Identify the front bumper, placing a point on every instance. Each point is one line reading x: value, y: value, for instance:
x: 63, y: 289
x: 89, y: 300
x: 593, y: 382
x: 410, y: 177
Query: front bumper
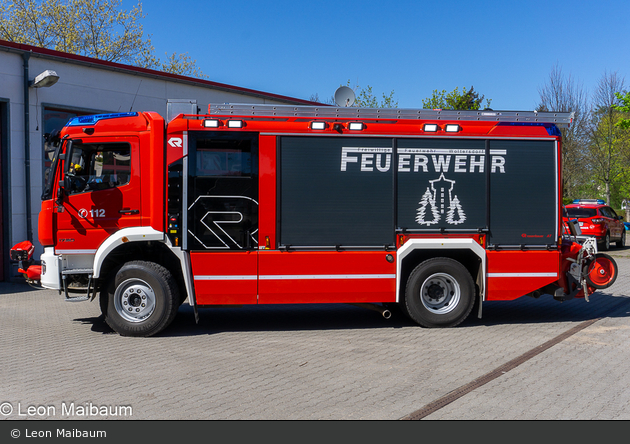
x: 50, y: 275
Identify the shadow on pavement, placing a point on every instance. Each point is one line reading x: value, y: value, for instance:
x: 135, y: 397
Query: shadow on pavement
x: 304, y: 317
x: 16, y: 287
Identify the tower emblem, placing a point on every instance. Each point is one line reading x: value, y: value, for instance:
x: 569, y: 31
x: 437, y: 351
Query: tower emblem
x: 437, y: 200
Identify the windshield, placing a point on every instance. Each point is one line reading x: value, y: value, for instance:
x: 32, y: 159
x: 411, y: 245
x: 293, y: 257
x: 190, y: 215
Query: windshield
x: 52, y: 148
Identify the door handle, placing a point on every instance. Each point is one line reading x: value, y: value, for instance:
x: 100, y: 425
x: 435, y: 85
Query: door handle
x: 128, y: 211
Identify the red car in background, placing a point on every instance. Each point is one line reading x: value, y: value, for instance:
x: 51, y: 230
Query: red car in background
x: 598, y: 220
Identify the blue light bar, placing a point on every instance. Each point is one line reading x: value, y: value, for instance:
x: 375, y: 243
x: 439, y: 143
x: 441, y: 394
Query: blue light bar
x: 590, y: 201
x: 552, y: 129
x: 94, y: 119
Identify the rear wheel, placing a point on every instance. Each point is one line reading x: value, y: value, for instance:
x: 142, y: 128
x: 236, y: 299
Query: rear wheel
x: 606, y: 242
x: 440, y: 292
x: 142, y: 300
x: 601, y: 271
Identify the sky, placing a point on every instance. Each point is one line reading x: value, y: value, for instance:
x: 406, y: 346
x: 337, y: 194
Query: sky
x: 505, y: 49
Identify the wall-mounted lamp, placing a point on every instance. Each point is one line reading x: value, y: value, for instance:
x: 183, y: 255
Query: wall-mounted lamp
x: 45, y: 79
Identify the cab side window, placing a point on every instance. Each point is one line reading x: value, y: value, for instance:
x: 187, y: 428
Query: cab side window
x: 98, y: 167
x: 609, y: 212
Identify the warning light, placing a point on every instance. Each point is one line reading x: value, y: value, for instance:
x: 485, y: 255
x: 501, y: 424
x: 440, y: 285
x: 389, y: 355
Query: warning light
x: 235, y: 124
x: 211, y: 123
x: 452, y: 128
x: 356, y: 126
x: 430, y: 127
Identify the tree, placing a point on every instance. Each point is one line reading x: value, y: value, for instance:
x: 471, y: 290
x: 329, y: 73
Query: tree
x: 367, y: 99
x: 466, y: 100
x: 564, y: 94
x: 609, y: 148
x: 181, y: 64
x: 624, y: 107
x: 364, y: 98
x: 315, y: 98
x: 92, y: 28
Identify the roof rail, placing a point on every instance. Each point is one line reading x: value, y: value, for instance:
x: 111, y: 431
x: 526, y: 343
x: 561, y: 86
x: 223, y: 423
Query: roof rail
x: 561, y: 119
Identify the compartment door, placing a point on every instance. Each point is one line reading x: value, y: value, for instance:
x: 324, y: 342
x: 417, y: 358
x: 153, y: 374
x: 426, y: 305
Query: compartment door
x: 222, y: 216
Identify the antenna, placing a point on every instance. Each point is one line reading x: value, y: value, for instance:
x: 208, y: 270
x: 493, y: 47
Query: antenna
x: 134, y: 97
x: 344, y: 96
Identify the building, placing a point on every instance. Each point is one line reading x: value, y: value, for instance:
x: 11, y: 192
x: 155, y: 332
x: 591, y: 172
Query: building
x: 75, y: 85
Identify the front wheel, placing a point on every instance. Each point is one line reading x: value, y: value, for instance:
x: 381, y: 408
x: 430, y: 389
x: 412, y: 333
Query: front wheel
x: 621, y: 243
x: 440, y: 292
x: 142, y: 300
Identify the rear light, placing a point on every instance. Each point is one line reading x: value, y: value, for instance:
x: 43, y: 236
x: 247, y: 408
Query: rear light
x: 597, y: 220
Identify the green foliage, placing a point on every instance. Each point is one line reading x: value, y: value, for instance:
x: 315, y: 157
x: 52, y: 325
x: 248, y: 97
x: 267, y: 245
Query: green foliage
x: 92, y: 28
x: 624, y: 107
x: 466, y: 100
x: 181, y: 64
x: 367, y: 99
x: 608, y: 147
x: 364, y: 98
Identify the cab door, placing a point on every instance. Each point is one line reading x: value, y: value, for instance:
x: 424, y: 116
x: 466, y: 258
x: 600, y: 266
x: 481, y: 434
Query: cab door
x: 221, y: 216
x: 100, y: 195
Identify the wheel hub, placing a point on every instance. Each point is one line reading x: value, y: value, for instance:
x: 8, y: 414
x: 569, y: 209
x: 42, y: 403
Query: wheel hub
x: 134, y: 300
x: 435, y: 292
x: 440, y: 293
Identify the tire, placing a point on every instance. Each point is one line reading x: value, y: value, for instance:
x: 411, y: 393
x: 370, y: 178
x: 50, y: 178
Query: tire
x: 601, y: 271
x: 440, y: 292
x: 142, y: 300
x: 621, y: 243
x: 606, y: 242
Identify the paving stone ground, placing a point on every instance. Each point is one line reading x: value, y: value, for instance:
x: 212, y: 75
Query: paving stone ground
x: 314, y: 362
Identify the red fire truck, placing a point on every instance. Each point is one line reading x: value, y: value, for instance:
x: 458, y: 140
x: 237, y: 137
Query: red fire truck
x: 436, y: 211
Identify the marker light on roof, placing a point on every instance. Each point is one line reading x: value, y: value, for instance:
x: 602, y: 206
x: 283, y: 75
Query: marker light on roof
x: 356, y: 126
x: 318, y: 125
x: 452, y: 128
x: 211, y: 123
x: 235, y: 124
x: 430, y: 127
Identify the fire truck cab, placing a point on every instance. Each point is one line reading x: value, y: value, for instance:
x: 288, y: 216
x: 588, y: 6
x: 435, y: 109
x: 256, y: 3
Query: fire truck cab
x: 436, y: 211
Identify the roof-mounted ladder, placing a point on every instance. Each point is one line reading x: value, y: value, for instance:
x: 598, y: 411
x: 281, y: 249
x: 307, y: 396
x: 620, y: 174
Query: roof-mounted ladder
x: 560, y: 119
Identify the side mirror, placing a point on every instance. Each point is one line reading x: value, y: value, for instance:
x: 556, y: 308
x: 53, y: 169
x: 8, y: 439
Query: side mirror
x: 60, y: 192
